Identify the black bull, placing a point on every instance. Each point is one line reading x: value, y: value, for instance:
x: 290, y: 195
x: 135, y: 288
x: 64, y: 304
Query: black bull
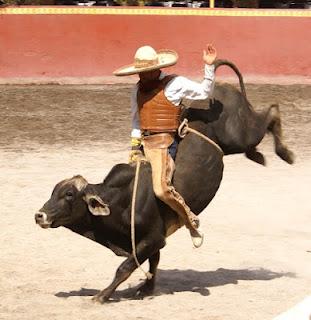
x: 102, y: 211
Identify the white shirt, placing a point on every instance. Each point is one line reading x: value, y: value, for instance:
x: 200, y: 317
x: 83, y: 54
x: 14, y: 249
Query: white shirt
x: 176, y: 90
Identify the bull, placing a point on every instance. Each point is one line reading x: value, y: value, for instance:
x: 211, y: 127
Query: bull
x: 102, y: 211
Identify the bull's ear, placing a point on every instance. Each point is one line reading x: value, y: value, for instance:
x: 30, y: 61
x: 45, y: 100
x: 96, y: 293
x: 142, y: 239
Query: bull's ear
x: 96, y: 205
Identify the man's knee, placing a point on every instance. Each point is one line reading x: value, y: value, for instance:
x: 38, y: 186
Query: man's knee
x: 162, y: 191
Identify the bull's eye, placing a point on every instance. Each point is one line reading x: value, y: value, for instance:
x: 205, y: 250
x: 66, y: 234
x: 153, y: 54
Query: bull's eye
x: 69, y: 195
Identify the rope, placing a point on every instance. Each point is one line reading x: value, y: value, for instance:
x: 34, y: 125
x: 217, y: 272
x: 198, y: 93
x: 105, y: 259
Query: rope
x: 147, y: 274
x: 184, y: 129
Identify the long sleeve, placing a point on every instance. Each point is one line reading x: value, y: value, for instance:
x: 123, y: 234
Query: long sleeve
x: 181, y: 87
x: 136, y: 133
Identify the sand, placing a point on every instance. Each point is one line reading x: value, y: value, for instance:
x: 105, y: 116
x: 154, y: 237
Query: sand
x: 256, y: 259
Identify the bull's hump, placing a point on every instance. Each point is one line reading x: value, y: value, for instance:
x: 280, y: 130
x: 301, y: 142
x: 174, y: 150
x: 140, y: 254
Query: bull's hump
x: 120, y: 175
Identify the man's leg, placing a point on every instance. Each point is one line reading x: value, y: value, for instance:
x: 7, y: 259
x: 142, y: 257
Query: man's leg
x: 162, y: 171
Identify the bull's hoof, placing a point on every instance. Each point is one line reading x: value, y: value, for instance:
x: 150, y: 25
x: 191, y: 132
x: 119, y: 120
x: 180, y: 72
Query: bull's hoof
x: 256, y: 156
x: 100, y: 298
x: 145, y: 290
x: 286, y: 155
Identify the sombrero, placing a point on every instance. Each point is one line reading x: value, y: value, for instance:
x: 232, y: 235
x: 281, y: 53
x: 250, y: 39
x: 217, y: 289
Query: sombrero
x: 147, y: 59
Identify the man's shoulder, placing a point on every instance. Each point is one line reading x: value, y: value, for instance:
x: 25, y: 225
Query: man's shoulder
x: 169, y: 78
x: 175, y: 79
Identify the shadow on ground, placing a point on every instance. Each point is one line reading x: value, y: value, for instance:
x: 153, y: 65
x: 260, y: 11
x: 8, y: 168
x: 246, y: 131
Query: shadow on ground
x: 171, y: 281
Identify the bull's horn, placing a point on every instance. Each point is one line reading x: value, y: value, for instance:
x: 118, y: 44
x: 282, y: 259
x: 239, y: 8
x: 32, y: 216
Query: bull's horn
x: 78, y: 181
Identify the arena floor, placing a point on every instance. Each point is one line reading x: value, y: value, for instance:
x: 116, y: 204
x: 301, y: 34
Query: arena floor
x: 254, y: 264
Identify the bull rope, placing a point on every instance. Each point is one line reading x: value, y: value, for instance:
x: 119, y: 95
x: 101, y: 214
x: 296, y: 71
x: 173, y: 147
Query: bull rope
x: 148, y: 274
x: 184, y: 129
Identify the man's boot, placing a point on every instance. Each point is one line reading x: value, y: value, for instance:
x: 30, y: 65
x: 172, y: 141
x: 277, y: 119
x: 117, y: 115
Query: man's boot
x: 192, y: 222
x: 197, y: 237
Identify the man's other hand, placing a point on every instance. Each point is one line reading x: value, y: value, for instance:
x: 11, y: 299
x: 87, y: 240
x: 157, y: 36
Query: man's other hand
x: 209, y: 55
x: 136, y: 155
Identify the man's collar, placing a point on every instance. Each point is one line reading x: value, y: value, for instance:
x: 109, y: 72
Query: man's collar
x: 162, y: 75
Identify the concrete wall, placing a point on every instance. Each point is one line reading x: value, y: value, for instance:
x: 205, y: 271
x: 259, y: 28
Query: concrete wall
x: 76, y: 44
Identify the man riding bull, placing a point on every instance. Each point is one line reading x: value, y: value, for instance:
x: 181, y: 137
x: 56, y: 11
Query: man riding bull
x: 156, y: 111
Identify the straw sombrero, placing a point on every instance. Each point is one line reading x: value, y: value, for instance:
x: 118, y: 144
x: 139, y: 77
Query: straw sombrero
x: 147, y: 59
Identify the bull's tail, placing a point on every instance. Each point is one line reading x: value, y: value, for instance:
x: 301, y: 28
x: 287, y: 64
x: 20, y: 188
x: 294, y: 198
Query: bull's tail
x: 222, y: 62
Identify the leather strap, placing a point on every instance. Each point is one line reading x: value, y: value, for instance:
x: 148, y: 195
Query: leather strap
x: 158, y: 141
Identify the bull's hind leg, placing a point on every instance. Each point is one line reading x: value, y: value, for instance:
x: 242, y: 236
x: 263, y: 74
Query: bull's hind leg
x: 256, y: 156
x: 275, y: 127
x: 144, y: 250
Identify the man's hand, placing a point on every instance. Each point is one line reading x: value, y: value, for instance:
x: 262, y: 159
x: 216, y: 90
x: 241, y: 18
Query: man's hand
x: 135, y: 155
x: 209, y: 55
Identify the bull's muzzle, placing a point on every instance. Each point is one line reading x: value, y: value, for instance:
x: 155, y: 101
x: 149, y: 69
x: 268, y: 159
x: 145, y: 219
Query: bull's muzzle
x: 41, y: 219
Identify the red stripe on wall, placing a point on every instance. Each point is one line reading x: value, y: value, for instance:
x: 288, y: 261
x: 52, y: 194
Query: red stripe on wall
x: 58, y: 46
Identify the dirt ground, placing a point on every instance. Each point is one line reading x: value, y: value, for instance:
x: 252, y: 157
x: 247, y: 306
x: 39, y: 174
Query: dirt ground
x: 254, y: 264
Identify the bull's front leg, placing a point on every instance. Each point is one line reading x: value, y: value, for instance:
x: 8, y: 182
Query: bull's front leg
x: 144, y: 250
x: 148, y: 286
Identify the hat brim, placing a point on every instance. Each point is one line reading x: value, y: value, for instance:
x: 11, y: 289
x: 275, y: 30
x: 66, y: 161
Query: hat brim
x: 166, y: 58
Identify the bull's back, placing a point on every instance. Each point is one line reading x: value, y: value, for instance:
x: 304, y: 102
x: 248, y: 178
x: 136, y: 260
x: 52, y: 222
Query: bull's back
x: 231, y: 121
